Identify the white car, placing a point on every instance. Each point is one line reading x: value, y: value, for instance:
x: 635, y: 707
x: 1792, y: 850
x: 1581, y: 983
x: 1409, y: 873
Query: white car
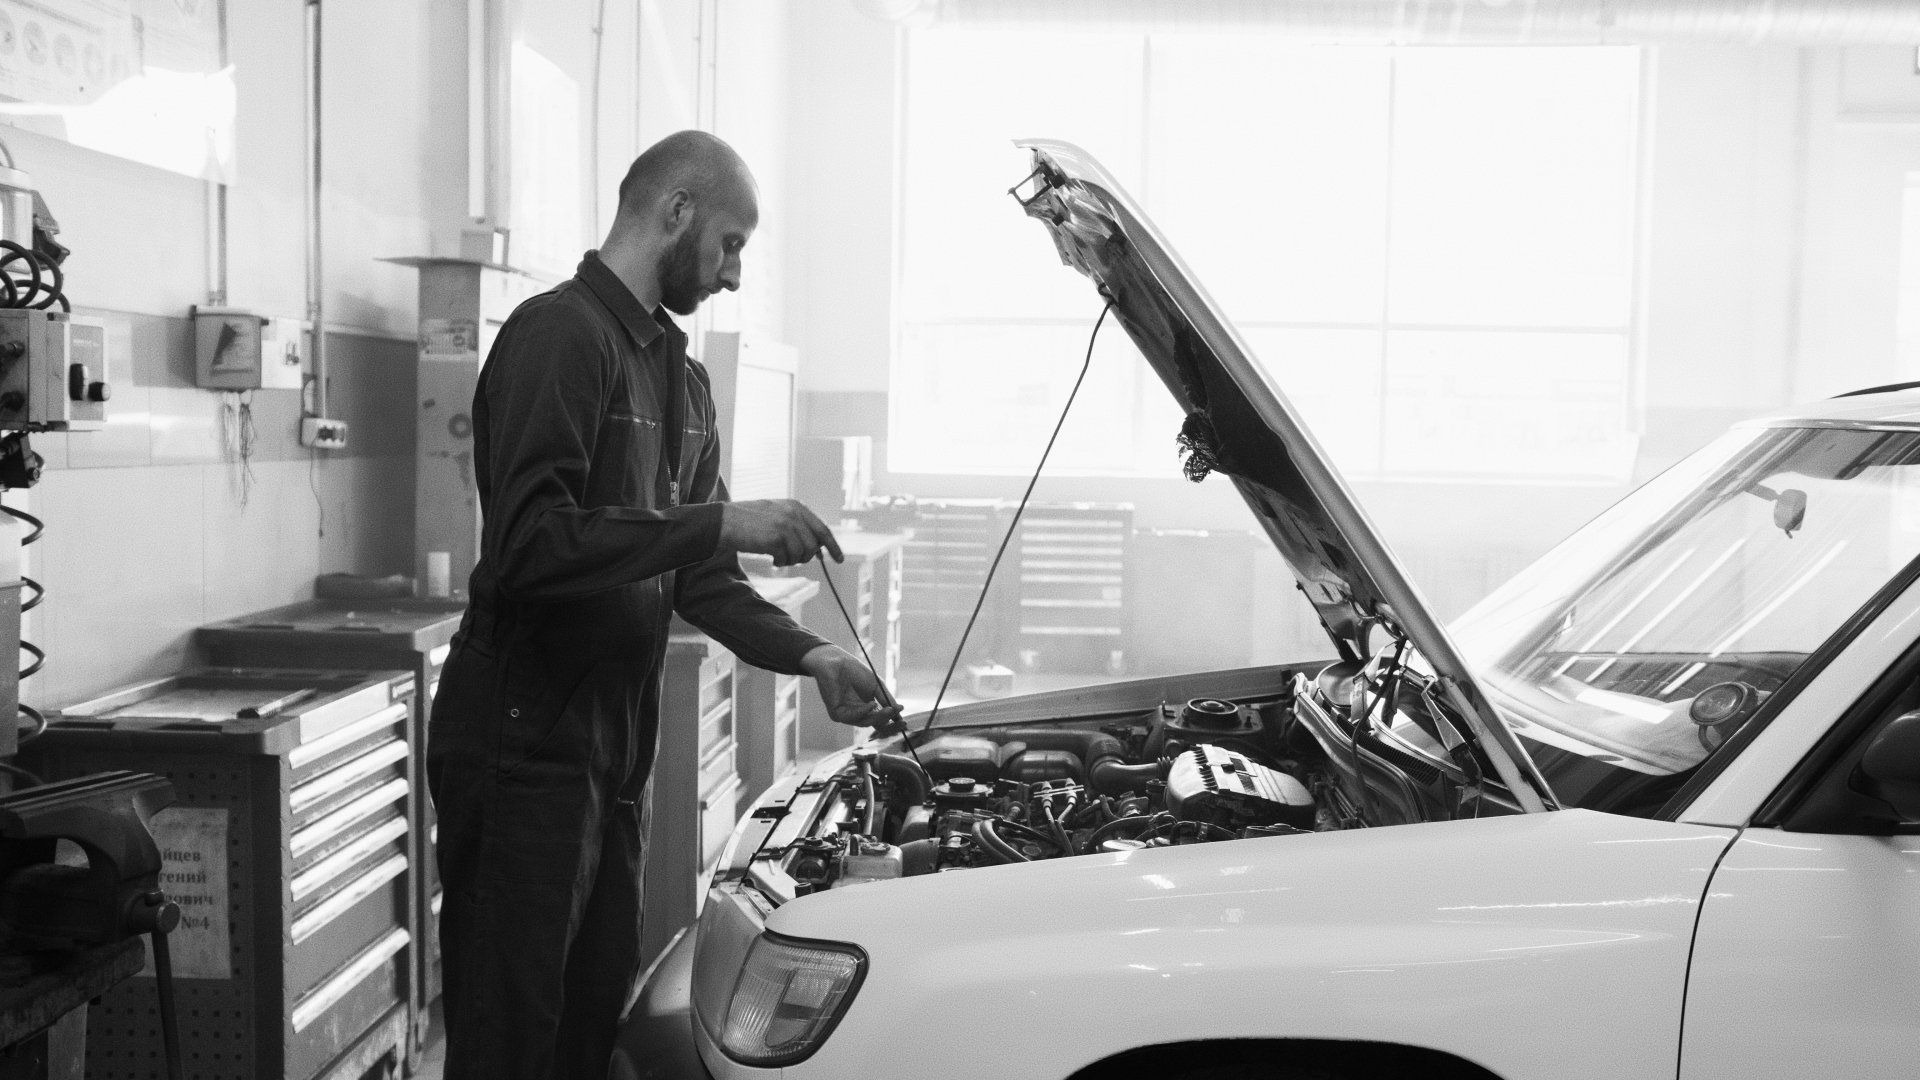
x: 1647, y: 811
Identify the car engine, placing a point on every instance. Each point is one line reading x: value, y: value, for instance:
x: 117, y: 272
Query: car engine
x: 1201, y: 771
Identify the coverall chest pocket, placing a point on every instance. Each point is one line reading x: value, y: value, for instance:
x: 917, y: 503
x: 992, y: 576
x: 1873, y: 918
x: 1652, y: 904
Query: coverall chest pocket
x: 693, y: 443
x: 637, y: 441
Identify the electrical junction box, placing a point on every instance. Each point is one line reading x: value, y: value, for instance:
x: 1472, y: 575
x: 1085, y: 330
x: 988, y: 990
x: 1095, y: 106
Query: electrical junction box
x: 235, y: 349
x: 53, y: 371
x: 323, y: 434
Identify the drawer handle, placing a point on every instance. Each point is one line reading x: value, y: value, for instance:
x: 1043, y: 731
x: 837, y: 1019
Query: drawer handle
x: 309, y: 924
x: 723, y: 794
x: 326, y: 828
x: 722, y: 749
x: 306, y: 753
x: 345, y: 775
x: 314, y: 1003
x: 315, y: 877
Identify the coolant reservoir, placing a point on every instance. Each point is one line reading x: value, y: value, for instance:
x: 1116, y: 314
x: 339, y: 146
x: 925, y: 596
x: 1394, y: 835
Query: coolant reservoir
x: 868, y: 860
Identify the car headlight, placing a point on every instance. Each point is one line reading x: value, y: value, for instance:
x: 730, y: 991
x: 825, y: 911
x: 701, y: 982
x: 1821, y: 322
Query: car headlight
x: 789, y: 996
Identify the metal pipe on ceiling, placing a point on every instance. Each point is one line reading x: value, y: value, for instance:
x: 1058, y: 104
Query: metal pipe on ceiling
x: 1451, y: 22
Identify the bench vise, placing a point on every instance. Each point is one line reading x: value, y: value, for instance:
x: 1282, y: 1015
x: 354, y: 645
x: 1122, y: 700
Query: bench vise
x: 47, y: 904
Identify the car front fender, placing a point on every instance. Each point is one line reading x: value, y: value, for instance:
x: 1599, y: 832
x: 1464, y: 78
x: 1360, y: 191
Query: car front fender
x: 1541, y: 945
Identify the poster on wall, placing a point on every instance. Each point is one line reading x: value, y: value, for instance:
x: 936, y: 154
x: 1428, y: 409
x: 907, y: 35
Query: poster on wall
x: 140, y: 79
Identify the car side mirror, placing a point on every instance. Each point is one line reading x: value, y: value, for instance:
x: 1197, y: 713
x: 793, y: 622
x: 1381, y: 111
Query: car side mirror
x: 1891, y: 766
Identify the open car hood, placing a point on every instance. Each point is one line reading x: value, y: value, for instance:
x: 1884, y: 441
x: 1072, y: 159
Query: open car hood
x: 1238, y: 423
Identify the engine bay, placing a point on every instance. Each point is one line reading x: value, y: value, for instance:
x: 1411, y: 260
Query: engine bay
x: 1201, y: 770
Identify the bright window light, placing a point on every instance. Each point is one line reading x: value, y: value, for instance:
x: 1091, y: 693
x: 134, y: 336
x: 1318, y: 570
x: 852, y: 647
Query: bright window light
x: 1431, y: 250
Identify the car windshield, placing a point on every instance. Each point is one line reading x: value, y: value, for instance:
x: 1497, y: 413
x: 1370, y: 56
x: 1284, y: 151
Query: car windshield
x: 1627, y: 655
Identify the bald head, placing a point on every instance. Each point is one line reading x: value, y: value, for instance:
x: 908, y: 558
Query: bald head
x: 696, y: 162
x: 687, y: 207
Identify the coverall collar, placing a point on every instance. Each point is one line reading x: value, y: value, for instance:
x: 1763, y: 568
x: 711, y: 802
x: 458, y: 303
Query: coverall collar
x: 612, y: 292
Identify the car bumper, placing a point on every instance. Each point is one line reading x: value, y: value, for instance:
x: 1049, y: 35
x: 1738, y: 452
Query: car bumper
x: 656, y: 1038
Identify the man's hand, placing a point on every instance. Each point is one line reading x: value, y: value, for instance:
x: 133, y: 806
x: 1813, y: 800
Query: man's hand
x: 851, y: 693
x: 782, y: 528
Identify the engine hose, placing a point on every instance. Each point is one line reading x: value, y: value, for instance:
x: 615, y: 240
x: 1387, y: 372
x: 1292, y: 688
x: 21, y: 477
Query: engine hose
x: 1112, y: 777
x: 989, y: 838
x: 870, y: 821
x: 1100, y: 753
x: 906, y: 774
x: 1114, y: 827
x: 1200, y: 829
x: 1059, y: 831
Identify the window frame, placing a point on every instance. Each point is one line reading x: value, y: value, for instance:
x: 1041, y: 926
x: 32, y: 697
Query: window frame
x: 1631, y: 332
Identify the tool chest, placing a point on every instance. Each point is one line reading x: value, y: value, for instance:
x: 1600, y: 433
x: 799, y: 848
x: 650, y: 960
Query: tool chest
x: 946, y: 562
x: 1072, y: 597
x: 406, y: 634
x: 290, y: 850
x: 769, y: 704
x: 695, y: 786
x: 868, y: 583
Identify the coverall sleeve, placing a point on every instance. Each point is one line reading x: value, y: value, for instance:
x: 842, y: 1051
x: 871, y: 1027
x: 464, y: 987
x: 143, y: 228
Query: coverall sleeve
x: 546, y: 388
x: 714, y: 595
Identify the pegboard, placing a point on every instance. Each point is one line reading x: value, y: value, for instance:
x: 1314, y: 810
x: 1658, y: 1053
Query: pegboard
x: 216, y: 1038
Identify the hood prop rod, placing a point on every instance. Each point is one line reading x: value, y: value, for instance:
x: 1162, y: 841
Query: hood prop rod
x: 1012, y: 526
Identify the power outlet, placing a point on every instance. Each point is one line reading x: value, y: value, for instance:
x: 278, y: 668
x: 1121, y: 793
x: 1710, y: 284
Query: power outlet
x: 322, y: 433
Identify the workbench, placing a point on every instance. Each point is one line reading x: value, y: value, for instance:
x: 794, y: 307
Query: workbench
x: 43, y: 999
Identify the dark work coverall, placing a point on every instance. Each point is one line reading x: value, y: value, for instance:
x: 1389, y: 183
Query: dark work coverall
x: 544, y: 724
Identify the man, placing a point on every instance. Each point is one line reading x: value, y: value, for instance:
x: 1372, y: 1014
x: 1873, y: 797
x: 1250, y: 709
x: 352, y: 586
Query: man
x: 603, y: 514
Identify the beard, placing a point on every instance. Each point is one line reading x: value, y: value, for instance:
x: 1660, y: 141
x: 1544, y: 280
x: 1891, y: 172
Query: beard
x: 680, y: 285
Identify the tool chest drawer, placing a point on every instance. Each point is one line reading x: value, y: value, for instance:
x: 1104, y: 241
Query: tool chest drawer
x: 290, y: 848
x: 719, y: 810
x: 716, y: 712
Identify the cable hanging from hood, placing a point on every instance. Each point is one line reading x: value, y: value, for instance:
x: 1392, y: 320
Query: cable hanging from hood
x: 1012, y: 526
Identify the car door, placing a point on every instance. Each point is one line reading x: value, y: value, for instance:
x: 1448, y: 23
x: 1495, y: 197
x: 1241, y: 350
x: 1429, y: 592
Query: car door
x: 1806, y: 955
x: 1806, y: 960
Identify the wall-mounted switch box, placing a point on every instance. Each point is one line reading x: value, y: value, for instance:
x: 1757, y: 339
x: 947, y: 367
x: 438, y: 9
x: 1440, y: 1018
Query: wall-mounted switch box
x: 322, y: 433
x: 53, y: 371
x: 227, y: 348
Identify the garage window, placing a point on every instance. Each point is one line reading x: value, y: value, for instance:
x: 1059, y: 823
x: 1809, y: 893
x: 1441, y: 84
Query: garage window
x: 1432, y: 250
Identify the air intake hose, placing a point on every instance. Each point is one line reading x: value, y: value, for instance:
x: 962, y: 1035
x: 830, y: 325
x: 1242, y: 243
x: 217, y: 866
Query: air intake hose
x: 1100, y: 753
x: 906, y: 774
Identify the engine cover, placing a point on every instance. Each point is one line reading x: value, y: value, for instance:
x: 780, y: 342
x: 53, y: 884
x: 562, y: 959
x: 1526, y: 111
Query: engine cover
x: 1215, y: 785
